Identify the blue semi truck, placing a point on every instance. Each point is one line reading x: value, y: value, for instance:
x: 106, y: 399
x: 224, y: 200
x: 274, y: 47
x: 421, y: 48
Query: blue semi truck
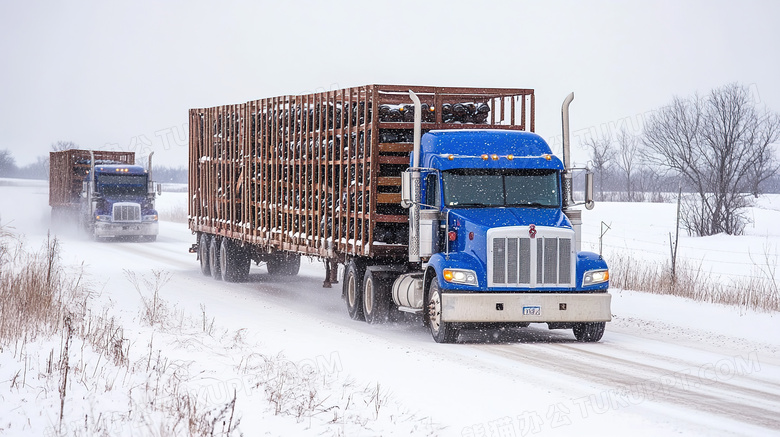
x: 104, y: 193
x: 491, y: 237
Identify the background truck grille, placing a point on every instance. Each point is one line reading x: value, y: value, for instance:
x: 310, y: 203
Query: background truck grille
x: 512, y: 262
x: 126, y: 212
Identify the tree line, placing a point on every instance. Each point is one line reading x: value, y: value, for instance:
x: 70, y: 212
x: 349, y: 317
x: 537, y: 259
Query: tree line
x: 719, y: 149
x: 40, y: 168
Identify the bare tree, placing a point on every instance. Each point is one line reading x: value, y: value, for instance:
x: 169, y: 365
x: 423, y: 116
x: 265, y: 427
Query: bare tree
x: 601, y: 156
x: 7, y: 163
x: 36, y: 170
x: 63, y: 145
x: 627, y: 154
x: 715, y: 144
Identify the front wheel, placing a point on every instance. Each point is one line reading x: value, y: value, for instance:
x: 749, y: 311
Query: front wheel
x: 589, y: 332
x: 442, y: 332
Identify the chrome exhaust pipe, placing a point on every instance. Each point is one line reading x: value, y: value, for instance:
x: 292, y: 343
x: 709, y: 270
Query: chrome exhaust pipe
x: 414, y: 211
x: 568, y: 199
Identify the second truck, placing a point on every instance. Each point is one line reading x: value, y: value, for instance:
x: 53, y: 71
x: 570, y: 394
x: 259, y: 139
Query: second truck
x: 439, y: 202
x: 104, y: 193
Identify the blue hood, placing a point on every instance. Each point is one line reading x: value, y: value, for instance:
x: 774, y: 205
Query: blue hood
x: 500, y: 217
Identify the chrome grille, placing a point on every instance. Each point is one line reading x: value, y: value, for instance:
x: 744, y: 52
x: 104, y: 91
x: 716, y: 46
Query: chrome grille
x: 511, y: 262
x: 126, y: 212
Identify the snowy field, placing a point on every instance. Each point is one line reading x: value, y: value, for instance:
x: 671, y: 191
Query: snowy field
x: 666, y: 365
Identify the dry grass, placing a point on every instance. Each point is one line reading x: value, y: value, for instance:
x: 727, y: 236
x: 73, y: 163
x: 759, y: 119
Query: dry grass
x: 40, y: 299
x: 757, y: 293
x: 83, y: 358
x: 35, y: 295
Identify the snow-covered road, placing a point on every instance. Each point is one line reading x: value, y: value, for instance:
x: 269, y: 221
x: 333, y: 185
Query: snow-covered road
x: 665, y: 365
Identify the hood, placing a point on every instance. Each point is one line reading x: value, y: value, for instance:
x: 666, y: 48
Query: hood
x: 500, y: 217
x: 106, y: 204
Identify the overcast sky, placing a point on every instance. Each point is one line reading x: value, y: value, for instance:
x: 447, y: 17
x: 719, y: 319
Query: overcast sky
x: 111, y: 75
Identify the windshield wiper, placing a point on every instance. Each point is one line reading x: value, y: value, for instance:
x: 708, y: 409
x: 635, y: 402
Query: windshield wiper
x: 532, y: 204
x: 471, y: 205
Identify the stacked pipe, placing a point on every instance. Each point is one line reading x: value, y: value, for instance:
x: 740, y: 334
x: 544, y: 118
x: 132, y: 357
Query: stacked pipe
x: 461, y: 112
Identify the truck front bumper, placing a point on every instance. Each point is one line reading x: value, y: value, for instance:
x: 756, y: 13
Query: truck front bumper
x: 526, y: 307
x: 124, y: 229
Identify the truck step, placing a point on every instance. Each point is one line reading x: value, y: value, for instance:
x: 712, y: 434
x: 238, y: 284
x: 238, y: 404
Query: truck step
x: 410, y: 310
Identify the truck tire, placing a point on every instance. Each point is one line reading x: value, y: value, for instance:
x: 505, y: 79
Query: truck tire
x: 203, y: 254
x: 589, y: 332
x: 216, y: 273
x: 234, y: 261
x: 281, y: 264
x: 376, y: 298
x: 442, y: 332
x: 353, y: 286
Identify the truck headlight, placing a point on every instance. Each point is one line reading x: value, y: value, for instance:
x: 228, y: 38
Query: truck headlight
x: 103, y: 218
x: 150, y: 218
x: 460, y: 276
x: 592, y: 277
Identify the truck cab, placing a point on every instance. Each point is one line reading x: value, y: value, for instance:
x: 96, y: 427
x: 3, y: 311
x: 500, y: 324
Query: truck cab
x: 118, y: 201
x: 495, y: 242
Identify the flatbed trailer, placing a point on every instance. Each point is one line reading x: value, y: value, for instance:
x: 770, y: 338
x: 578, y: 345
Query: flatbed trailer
x: 320, y: 174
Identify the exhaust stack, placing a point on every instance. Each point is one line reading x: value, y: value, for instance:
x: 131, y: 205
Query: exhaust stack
x: 414, y: 211
x: 568, y: 199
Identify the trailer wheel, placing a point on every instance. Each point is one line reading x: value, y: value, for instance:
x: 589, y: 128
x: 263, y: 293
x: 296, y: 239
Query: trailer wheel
x: 203, y: 254
x: 589, y: 332
x: 442, y: 332
x: 353, y: 284
x: 216, y: 272
x: 281, y: 264
x: 234, y: 261
x: 376, y: 298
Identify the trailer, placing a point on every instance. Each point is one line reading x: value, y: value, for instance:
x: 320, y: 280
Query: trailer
x: 103, y: 192
x: 360, y: 177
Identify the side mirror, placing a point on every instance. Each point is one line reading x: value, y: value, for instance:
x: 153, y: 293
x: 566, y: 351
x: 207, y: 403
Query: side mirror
x: 159, y: 189
x: 406, y: 189
x: 589, y: 203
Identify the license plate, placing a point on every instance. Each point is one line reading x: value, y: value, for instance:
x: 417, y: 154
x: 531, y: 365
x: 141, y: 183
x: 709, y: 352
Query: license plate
x: 532, y: 311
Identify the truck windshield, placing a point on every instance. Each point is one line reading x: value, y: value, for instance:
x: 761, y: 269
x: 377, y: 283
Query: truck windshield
x: 122, y: 185
x: 472, y: 188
